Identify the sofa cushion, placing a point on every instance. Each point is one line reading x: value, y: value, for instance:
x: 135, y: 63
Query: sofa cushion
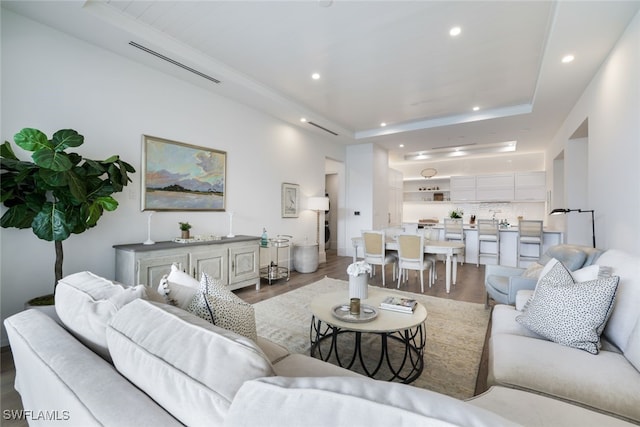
x: 606, y: 382
x: 58, y: 375
x: 85, y: 303
x: 533, y: 410
x: 570, y: 313
x: 572, y: 257
x: 177, y: 287
x: 632, y: 352
x: 190, y: 367
x: 342, y: 401
x: 626, y: 310
x: 218, y: 305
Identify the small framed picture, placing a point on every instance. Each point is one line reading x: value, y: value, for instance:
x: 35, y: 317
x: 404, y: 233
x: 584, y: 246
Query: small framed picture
x: 290, y: 200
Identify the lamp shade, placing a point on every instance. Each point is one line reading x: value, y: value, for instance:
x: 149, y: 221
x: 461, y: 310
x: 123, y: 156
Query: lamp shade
x: 318, y: 203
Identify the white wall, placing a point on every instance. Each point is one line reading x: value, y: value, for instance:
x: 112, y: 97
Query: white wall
x: 51, y: 81
x: 611, y: 103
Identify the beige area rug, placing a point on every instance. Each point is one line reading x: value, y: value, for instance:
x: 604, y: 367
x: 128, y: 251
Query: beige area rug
x: 454, y: 340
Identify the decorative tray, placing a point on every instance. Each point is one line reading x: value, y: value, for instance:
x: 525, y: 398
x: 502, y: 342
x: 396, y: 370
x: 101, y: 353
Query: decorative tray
x: 367, y: 313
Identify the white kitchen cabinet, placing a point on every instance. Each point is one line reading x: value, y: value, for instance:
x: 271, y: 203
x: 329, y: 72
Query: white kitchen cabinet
x: 463, y: 188
x: 497, y: 187
x: 530, y: 186
x: 235, y: 262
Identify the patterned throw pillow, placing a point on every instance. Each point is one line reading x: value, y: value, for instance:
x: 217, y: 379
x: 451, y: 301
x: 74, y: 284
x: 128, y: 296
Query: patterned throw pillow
x: 216, y: 304
x: 568, y: 312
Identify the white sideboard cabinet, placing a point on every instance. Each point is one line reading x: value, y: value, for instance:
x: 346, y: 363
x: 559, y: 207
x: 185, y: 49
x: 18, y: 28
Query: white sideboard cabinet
x: 234, y: 261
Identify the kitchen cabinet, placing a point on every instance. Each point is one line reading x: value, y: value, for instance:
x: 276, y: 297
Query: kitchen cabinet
x: 498, y: 187
x: 233, y: 261
x: 530, y: 186
x: 463, y: 188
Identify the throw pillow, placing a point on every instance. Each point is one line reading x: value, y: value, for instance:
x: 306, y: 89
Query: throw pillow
x: 178, y: 288
x: 86, y: 303
x: 216, y: 304
x: 533, y: 270
x: 570, y: 313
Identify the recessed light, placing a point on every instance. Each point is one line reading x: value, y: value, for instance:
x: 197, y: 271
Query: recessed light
x: 303, y: 120
x: 567, y: 58
x: 315, y: 76
x: 401, y: 145
x: 476, y: 108
x: 383, y: 124
x: 455, y: 31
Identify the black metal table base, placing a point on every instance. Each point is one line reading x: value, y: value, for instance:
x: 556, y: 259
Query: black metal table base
x: 404, y: 368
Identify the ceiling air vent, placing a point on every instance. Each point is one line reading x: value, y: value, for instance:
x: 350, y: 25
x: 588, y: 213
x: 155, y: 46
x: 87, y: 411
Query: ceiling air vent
x: 174, y: 62
x: 323, y: 128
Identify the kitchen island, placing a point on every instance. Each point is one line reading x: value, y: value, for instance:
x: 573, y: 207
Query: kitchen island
x: 508, y: 242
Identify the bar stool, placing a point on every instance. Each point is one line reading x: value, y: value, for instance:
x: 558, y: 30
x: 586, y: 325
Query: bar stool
x: 488, y: 233
x: 530, y: 234
x: 453, y: 231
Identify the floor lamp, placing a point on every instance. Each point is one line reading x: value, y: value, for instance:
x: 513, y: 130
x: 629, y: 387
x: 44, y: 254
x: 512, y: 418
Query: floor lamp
x: 318, y: 204
x: 593, y: 220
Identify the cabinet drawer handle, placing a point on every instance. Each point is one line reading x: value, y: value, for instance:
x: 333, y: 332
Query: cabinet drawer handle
x: 233, y: 265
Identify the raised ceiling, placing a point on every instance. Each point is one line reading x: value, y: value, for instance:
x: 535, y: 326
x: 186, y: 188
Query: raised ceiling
x: 379, y: 61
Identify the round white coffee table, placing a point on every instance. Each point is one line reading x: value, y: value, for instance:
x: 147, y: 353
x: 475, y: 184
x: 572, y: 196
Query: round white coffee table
x: 405, y: 331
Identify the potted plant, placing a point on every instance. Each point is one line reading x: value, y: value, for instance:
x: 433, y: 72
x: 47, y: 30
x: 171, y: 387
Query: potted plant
x: 185, y: 227
x: 58, y: 194
x: 456, y: 213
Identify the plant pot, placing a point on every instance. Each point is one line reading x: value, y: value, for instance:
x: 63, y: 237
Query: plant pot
x: 185, y: 234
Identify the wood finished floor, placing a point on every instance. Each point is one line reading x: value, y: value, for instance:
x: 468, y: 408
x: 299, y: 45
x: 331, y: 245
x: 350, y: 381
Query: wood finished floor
x: 469, y: 288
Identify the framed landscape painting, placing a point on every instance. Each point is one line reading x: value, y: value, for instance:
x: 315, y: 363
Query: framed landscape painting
x: 290, y: 200
x: 182, y: 177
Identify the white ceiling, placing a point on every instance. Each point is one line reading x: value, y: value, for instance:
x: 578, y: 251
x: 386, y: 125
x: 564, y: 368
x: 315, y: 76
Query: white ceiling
x: 379, y: 61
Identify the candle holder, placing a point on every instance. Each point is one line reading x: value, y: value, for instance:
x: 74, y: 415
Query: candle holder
x: 149, y: 241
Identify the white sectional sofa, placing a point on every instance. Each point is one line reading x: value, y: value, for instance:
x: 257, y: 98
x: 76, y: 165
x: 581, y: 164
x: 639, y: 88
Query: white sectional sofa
x: 126, y: 361
x: 608, y: 382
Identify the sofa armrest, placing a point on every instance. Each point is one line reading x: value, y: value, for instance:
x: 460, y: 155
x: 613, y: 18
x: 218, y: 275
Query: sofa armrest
x: 518, y: 283
x: 501, y: 270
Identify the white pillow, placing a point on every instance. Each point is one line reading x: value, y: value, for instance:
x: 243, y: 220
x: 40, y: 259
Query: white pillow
x: 178, y: 288
x: 85, y: 303
x: 568, y: 312
x: 216, y: 304
x: 190, y: 367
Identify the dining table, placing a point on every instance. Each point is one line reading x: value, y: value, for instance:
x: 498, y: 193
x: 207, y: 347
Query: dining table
x: 450, y: 249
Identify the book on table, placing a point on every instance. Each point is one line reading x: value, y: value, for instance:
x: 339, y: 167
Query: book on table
x: 404, y: 305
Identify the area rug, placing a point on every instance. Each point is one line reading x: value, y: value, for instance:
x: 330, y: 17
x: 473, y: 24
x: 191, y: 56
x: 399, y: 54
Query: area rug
x: 455, y: 333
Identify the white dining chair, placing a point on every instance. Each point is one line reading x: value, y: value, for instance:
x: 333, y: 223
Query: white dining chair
x: 376, y: 254
x: 411, y: 256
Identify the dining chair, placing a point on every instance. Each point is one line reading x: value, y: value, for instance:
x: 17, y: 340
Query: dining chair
x: 411, y: 256
x: 375, y: 253
x: 530, y: 233
x: 488, y: 233
x: 453, y: 230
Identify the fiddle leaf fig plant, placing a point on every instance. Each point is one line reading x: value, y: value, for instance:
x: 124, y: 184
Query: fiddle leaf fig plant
x: 59, y: 193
